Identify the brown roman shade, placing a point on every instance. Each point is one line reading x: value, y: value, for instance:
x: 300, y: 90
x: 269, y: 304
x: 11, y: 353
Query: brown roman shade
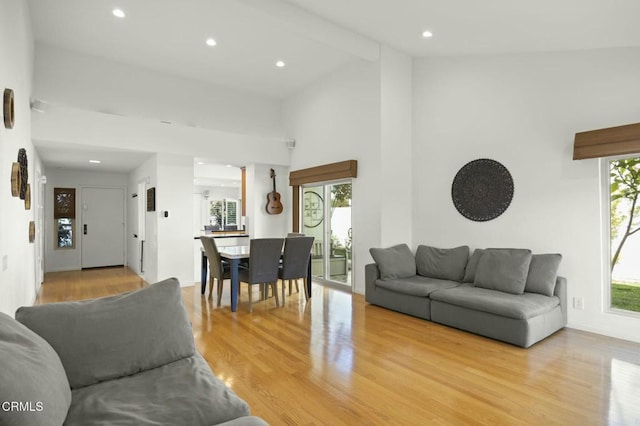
x: 328, y: 172
x: 64, y: 204
x: 607, y: 142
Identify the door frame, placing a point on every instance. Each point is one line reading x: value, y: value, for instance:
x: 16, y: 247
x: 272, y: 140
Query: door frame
x: 79, y: 227
x: 321, y: 175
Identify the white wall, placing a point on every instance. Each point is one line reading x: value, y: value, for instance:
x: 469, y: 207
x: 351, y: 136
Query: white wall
x: 97, y: 102
x: 18, y: 284
x: 174, y: 194
x: 337, y: 119
x: 96, y: 84
x: 260, y: 224
x: 523, y: 111
x: 148, y: 174
x: 70, y: 125
x: 395, y: 148
x: 71, y: 259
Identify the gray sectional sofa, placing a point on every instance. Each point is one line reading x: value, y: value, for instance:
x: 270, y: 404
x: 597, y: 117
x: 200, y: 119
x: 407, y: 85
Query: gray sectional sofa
x: 128, y: 359
x: 510, y: 295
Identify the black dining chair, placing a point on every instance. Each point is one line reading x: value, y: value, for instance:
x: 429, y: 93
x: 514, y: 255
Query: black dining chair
x: 264, y: 260
x: 218, y: 269
x: 295, y: 263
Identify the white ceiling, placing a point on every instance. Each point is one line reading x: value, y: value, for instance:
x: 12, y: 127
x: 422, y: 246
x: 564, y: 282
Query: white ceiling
x: 214, y: 174
x: 314, y: 37
x: 76, y: 157
x: 471, y: 27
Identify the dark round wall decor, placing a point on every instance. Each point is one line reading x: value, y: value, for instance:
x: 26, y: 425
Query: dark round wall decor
x: 24, y: 172
x: 482, y: 190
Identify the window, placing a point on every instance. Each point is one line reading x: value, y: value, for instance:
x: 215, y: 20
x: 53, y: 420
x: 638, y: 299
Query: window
x: 223, y: 214
x: 64, y: 216
x: 624, y: 220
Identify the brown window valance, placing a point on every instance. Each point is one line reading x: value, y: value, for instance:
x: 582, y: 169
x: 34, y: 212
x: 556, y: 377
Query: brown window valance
x: 64, y: 203
x: 325, y: 173
x: 607, y: 142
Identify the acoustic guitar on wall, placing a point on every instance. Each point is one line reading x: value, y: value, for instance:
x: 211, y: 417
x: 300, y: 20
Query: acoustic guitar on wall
x: 274, y: 206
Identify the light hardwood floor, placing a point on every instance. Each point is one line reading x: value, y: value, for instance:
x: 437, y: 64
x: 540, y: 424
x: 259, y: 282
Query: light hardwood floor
x: 337, y: 360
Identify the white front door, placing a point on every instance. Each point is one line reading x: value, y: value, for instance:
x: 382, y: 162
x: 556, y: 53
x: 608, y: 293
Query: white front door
x: 102, y: 227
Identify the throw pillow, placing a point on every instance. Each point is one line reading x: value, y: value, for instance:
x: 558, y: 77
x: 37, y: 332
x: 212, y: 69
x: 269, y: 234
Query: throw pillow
x: 543, y: 272
x: 115, y: 336
x: 34, y: 389
x: 445, y: 264
x: 503, y: 269
x: 472, y: 265
x: 394, y: 262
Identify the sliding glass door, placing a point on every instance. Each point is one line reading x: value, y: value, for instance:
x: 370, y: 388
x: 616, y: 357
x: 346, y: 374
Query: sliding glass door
x: 326, y: 215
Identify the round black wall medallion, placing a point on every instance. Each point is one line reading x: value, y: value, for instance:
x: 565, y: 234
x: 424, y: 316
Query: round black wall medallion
x: 482, y: 190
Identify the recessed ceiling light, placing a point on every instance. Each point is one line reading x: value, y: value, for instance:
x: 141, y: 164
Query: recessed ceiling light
x: 118, y: 13
x: 210, y: 42
x: 228, y: 165
x: 280, y: 64
x: 95, y: 161
x: 427, y: 34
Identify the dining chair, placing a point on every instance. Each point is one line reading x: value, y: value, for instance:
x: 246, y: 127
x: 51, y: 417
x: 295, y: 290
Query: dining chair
x: 218, y: 269
x: 295, y: 263
x: 295, y: 234
x: 264, y: 260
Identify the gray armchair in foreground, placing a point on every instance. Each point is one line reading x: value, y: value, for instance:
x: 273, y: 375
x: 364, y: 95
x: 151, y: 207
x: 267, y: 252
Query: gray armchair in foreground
x: 128, y: 359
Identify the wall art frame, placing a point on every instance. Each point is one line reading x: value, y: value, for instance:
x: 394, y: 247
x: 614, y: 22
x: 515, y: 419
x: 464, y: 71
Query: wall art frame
x: 482, y: 190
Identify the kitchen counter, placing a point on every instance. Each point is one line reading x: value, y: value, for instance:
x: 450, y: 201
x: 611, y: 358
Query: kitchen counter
x: 222, y: 234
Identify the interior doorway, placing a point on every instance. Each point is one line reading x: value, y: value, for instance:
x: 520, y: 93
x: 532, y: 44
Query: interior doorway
x: 326, y: 215
x: 102, y: 228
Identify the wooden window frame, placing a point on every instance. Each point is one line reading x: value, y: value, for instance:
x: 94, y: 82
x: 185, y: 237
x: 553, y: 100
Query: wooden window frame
x: 316, y: 175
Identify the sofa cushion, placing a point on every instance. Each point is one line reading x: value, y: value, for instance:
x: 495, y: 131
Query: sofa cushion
x: 416, y: 286
x: 503, y: 269
x: 115, y: 336
x: 394, y: 262
x: 521, y: 306
x: 32, y: 375
x: 472, y: 265
x: 543, y: 272
x: 183, y: 392
x: 446, y: 264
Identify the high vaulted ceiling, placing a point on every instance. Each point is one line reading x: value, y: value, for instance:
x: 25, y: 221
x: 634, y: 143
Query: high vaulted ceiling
x: 313, y: 37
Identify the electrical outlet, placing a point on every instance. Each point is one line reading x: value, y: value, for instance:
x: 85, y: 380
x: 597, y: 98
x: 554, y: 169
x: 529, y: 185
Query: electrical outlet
x: 578, y: 303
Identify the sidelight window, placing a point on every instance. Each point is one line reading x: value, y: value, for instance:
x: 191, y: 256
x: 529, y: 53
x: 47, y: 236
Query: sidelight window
x: 64, y: 216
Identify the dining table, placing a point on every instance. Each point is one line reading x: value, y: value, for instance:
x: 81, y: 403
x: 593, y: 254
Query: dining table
x: 234, y: 255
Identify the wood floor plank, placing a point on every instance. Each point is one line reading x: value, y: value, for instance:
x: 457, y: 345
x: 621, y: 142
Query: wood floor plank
x: 337, y: 360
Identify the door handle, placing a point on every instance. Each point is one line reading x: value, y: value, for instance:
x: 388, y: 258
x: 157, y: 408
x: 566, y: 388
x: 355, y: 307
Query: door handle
x: 85, y: 229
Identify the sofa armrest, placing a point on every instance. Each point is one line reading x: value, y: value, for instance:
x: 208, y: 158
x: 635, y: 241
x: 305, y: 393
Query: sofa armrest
x: 371, y: 274
x: 561, y: 292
